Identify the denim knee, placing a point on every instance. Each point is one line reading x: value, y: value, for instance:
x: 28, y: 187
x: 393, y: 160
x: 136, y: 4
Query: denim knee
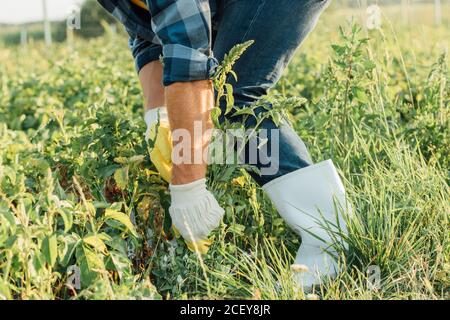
x: 284, y: 152
x: 280, y: 150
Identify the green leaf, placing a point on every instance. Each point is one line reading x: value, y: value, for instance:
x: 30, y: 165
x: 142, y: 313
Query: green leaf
x: 276, y: 116
x: 121, y: 160
x: 71, y: 243
x: 237, y: 229
x: 108, y: 170
x: 38, y: 263
x: 67, y: 218
x: 89, y: 263
x: 136, y: 160
x: 122, y: 218
x: 229, y: 97
x: 121, y: 177
x: 6, y: 213
x: 369, y: 65
x: 360, y: 95
x: 244, y: 111
x: 121, y: 263
x: 50, y: 249
x: 339, y: 50
x: 5, y: 293
x: 95, y: 242
x: 215, y: 114
x: 10, y: 173
x: 235, y: 77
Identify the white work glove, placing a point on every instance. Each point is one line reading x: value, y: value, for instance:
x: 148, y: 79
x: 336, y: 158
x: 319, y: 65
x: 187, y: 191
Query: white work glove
x: 195, y: 213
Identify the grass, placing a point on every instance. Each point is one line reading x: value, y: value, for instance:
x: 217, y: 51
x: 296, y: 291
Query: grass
x: 77, y: 187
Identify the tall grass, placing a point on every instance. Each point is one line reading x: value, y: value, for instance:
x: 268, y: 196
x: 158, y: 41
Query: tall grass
x: 77, y: 187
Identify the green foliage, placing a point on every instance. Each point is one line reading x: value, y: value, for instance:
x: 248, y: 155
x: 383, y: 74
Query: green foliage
x: 77, y: 187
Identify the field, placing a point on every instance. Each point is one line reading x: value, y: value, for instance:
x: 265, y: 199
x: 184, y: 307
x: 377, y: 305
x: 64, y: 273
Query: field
x: 78, y: 191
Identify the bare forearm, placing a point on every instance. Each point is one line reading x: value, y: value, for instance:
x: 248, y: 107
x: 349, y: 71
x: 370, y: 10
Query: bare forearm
x: 189, y: 106
x: 150, y: 77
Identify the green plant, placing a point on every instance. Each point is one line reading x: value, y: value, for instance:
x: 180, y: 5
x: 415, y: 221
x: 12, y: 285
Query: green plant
x: 77, y: 187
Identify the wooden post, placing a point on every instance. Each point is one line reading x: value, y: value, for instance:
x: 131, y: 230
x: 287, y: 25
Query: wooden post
x: 69, y: 37
x: 23, y: 36
x: 73, y: 21
x: 437, y: 12
x: 47, y: 27
x: 405, y: 11
x: 363, y: 5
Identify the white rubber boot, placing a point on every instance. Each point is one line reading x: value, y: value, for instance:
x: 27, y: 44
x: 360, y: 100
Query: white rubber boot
x: 309, y: 199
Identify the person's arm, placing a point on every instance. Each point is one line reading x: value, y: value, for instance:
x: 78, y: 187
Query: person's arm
x: 183, y: 27
x: 184, y: 30
x: 183, y: 38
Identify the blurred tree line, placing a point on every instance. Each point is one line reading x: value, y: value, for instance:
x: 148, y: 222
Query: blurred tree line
x: 94, y: 19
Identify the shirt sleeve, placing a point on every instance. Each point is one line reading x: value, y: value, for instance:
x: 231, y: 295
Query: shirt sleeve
x: 143, y: 51
x: 184, y: 30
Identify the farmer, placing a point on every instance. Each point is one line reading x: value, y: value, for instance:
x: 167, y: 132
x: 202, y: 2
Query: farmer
x: 191, y: 36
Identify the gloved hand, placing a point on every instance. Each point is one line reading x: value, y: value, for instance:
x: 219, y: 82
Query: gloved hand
x: 161, y: 153
x: 195, y: 213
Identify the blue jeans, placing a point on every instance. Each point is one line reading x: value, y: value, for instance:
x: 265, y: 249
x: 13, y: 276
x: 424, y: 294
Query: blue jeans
x: 278, y: 27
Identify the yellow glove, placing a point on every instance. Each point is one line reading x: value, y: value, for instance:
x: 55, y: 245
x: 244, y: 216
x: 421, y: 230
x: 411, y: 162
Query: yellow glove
x: 202, y: 245
x: 161, y: 153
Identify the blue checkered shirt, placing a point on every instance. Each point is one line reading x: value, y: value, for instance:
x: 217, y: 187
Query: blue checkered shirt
x: 179, y: 30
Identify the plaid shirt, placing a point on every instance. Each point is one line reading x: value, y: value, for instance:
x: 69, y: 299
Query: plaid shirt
x: 179, y: 29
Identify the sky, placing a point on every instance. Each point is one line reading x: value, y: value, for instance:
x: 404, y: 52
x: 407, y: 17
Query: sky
x: 19, y: 11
